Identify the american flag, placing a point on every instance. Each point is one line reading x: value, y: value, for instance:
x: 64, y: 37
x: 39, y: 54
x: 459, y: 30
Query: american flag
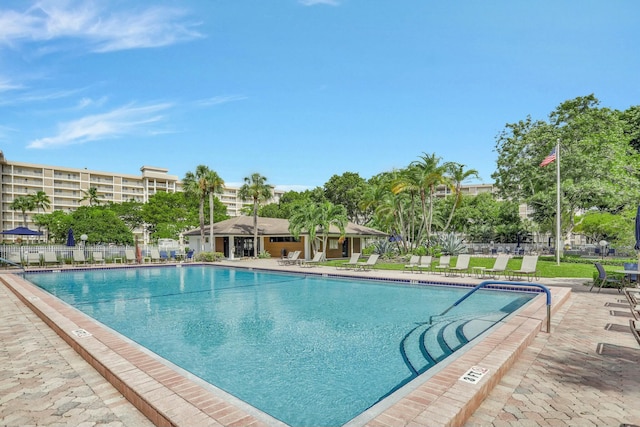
x: 549, y: 159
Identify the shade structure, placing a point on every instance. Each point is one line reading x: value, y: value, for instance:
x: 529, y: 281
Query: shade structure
x: 23, y: 231
x: 637, y: 245
x: 71, y: 241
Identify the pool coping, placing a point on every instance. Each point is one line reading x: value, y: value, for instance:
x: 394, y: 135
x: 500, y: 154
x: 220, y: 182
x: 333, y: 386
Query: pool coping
x: 172, y: 397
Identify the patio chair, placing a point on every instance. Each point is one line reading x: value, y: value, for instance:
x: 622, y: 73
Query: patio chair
x: 50, y: 258
x: 499, y: 267
x: 351, y: 264
x: 78, y: 257
x: 603, y: 279
x: 443, y: 263
x: 130, y: 256
x: 425, y: 263
x: 164, y: 256
x: 32, y: 258
x: 155, y: 255
x: 369, y: 263
x: 317, y: 258
x: 286, y: 259
x: 462, y: 266
x: 528, y: 268
x: 413, y: 263
x: 189, y: 256
x: 635, y: 329
x: 15, y: 258
x: 97, y: 258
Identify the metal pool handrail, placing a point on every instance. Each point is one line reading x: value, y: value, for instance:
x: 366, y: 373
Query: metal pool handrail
x: 497, y: 282
x: 6, y: 261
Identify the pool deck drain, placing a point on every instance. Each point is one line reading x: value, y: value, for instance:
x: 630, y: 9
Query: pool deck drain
x: 169, y: 397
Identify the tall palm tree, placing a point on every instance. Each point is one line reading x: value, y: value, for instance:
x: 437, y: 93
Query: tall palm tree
x: 195, y: 184
x: 255, y: 188
x: 214, y: 185
x: 92, y: 196
x: 23, y: 204
x: 317, y: 217
x: 458, y: 174
x: 41, y: 202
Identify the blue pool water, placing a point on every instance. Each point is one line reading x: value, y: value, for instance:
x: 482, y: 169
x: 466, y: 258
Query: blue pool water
x: 308, y: 350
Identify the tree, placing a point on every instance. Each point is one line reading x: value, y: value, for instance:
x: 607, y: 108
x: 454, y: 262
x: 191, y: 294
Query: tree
x: 255, y: 189
x: 599, y: 167
x: 23, y: 204
x: 196, y: 185
x: 313, y: 217
x: 130, y: 212
x: 214, y: 185
x: 458, y: 176
x: 92, y: 196
x: 347, y: 190
x: 166, y: 215
x: 41, y: 201
x: 101, y: 225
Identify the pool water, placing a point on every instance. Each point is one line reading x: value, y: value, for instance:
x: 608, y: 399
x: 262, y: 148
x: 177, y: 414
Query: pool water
x: 307, y: 350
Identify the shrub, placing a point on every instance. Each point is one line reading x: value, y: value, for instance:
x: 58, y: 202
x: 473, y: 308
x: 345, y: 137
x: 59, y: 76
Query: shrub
x: 209, y: 256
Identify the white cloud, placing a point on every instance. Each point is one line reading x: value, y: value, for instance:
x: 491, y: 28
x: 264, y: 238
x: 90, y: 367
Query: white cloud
x: 315, y: 2
x: 7, y: 85
x: 126, y: 120
x: 104, y: 31
x: 217, y: 100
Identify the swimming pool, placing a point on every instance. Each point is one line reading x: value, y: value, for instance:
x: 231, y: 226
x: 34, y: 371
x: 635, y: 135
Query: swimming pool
x: 307, y: 350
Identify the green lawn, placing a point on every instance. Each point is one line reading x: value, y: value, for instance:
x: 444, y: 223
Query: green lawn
x: 546, y: 266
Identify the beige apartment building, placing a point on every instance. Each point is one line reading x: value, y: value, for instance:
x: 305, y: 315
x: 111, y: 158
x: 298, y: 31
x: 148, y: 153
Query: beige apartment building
x: 66, y: 186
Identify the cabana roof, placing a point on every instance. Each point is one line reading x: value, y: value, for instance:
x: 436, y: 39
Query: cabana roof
x: 243, y: 226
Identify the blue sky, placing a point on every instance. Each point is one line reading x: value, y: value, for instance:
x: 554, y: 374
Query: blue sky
x: 298, y: 90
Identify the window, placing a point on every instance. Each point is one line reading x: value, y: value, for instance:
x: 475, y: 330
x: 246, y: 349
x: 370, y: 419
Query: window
x: 333, y: 244
x: 283, y: 239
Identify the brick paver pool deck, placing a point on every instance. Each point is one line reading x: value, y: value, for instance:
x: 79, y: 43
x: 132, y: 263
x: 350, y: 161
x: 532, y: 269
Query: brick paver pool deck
x: 586, y: 372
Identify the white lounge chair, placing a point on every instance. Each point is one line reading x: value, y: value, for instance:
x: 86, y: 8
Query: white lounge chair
x: 155, y: 255
x: 499, y: 267
x: 462, y: 265
x: 351, y: 264
x: 130, y: 256
x: 413, y: 263
x: 443, y: 263
x: 32, y: 258
x: 369, y: 263
x: 287, y: 259
x: 98, y: 258
x: 317, y: 258
x: 528, y: 268
x: 425, y: 263
x: 78, y: 257
x: 50, y: 258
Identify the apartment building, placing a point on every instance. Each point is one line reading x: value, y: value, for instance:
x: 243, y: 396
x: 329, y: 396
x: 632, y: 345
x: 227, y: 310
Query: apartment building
x: 66, y: 187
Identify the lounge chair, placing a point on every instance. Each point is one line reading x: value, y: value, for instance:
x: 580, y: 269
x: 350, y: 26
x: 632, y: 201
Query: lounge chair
x: 462, y: 265
x: 499, y: 267
x: 603, y: 279
x: 528, y: 268
x: 317, y: 258
x: 413, y: 263
x: 425, y: 263
x: 294, y: 259
x: 285, y: 260
x: 635, y: 329
x: 189, y: 256
x: 130, y: 256
x: 32, y: 258
x: 155, y: 255
x: 78, y: 257
x: 633, y: 296
x: 97, y: 258
x: 351, y: 264
x: 15, y: 258
x: 369, y: 263
x: 50, y: 258
x: 443, y: 263
x: 164, y: 256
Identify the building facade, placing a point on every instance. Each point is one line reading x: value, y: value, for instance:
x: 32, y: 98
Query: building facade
x: 66, y: 187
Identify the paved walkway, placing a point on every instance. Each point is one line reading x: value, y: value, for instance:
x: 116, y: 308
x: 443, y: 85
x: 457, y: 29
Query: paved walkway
x: 45, y: 382
x: 586, y: 372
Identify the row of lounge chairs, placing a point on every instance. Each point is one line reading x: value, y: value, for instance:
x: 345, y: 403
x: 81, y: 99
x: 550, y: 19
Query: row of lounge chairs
x: 354, y: 262
x: 79, y: 258
x: 527, y: 270
x: 633, y: 296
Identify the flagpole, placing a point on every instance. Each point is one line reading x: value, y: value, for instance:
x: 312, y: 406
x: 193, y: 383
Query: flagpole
x: 559, y: 241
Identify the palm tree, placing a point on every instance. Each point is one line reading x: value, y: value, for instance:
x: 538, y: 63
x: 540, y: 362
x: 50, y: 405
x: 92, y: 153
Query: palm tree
x: 195, y: 184
x: 23, y: 204
x: 40, y: 201
x: 92, y: 196
x: 458, y: 175
x: 314, y: 217
x: 256, y: 189
x: 214, y: 185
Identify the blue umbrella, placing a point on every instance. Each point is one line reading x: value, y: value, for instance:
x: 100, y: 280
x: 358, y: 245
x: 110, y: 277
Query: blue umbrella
x: 22, y: 231
x: 637, y: 245
x: 71, y: 241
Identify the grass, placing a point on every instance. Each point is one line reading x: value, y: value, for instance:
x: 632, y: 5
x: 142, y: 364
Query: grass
x: 547, y: 266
